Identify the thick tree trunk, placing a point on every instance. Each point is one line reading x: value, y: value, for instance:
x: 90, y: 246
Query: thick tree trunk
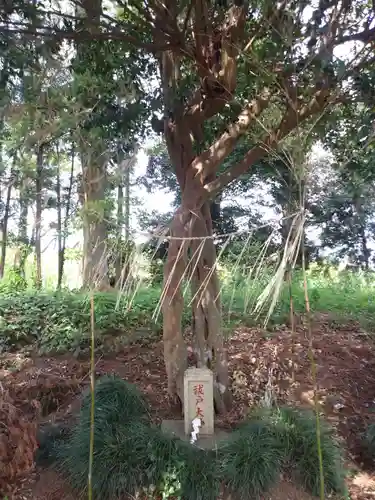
x: 191, y: 255
x: 175, y: 352
x: 4, y: 237
x: 95, y: 259
x: 38, y: 218
x: 93, y: 158
x: 206, y: 307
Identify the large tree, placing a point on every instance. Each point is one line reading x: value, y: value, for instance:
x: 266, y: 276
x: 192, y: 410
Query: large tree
x: 222, y: 45
x: 222, y: 66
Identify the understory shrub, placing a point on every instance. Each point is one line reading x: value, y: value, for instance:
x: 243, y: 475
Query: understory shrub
x: 60, y: 321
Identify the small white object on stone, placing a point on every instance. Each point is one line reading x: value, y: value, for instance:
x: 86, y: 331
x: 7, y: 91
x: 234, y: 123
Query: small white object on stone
x: 196, y: 423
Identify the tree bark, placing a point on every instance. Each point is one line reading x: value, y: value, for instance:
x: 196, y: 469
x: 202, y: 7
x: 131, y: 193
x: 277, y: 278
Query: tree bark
x: 127, y: 204
x: 206, y: 307
x: 361, y: 221
x: 120, y: 220
x: 23, y: 249
x: 95, y: 259
x: 64, y: 225
x: 94, y: 163
x: 175, y: 352
x: 4, y: 238
x: 192, y: 256
x: 38, y: 217
x: 365, y: 251
x: 60, y: 257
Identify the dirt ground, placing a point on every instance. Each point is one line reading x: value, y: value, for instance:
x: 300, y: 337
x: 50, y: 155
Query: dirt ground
x: 261, y: 363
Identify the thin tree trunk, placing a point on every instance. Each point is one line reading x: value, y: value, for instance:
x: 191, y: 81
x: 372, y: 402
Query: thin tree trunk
x: 127, y: 204
x: 4, y: 239
x: 360, y: 217
x: 120, y: 217
x: 38, y: 217
x: 365, y: 250
x: 23, y: 242
x: 123, y: 220
x: 64, y: 230
x: 60, y: 263
x: 126, y: 259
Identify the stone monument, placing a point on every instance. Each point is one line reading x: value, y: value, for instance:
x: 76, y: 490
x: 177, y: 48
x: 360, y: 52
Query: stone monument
x: 198, y: 404
x: 199, y: 400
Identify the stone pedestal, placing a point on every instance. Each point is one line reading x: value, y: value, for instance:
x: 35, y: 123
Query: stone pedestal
x: 206, y: 442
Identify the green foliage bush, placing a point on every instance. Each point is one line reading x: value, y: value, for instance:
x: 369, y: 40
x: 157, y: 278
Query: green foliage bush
x: 129, y: 453
x: 250, y: 461
x: 12, y: 283
x: 115, y: 401
x: 369, y: 441
x: 295, y: 431
x: 60, y: 321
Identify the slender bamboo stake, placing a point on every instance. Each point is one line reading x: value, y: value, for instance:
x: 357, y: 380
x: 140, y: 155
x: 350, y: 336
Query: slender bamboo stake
x: 314, y: 378
x: 291, y: 315
x: 92, y: 383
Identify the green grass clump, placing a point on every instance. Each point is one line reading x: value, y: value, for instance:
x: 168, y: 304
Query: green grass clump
x: 60, y: 321
x: 123, y: 457
x: 133, y: 456
x: 250, y: 461
x: 369, y: 441
x: 116, y: 401
x: 197, y: 473
x: 295, y: 431
x: 130, y: 454
x: 119, y: 463
x: 50, y: 436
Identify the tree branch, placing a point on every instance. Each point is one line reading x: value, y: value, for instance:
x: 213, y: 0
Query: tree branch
x: 216, y: 61
x: 202, y: 35
x: 52, y: 33
x: 207, y: 163
x: 366, y: 36
x: 288, y: 123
